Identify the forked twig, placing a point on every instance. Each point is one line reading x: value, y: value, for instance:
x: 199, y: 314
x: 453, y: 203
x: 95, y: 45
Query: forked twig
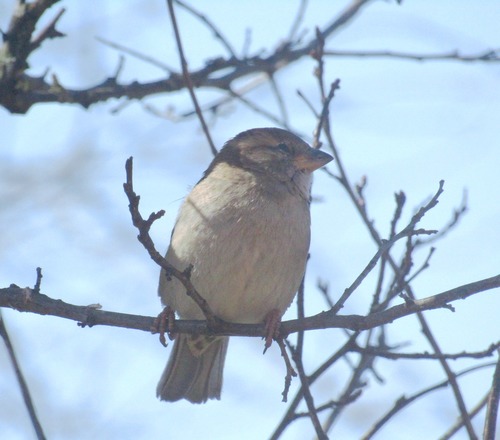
x: 143, y: 227
x: 361, y: 208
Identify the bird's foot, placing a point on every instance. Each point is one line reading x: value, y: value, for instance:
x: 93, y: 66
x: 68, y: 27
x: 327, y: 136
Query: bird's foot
x: 164, y: 323
x: 272, y: 326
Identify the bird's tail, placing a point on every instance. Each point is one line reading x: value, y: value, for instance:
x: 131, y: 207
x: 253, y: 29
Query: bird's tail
x: 194, y: 370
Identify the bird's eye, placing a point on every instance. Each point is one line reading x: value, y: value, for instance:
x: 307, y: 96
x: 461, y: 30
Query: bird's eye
x: 284, y: 147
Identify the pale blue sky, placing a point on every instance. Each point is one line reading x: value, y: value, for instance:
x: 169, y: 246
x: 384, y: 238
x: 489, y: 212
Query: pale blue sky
x: 403, y: 124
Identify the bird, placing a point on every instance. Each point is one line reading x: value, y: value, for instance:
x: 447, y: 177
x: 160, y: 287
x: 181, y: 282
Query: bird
x: 243, y: 232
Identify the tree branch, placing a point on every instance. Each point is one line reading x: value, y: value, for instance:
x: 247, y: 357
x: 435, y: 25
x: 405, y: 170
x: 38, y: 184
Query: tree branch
x: 486, y: 56
x: 27, y: 300
x: 19, y: 91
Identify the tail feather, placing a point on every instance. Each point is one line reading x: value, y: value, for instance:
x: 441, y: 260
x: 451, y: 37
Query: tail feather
x: 197, y: 376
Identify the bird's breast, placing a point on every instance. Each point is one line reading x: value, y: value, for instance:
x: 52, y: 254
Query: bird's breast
x: 248, y: 247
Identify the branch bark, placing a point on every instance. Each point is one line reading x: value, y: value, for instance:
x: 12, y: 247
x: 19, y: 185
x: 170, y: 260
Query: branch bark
x: 27, y: 300
x: 20, y: 91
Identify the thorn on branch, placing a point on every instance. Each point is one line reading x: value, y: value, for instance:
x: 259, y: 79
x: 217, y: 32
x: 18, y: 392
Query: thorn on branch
x: 449, y: 307
x: 400, y: 202
x: 89, y: 320
x: 408, y: 300
x: 425, y: 264
x: 359, y: 191
x: 318, y: 52
x: 432, y: 203
x: 324, y: 289
x: 48, y: 32
x: 153, y: 217
x: 38, y: 282
x: 56, y: 86
x: 119, y: 68
x: 407, y: 261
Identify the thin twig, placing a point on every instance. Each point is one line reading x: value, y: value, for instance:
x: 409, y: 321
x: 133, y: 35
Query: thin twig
x: 383, y: 353
x: 460, y: 423
x: 136, y: 54
x: 299, y: 18
x: 344, y: 17
x: 331, y: 404
x: 258, y: 109
x: 380, y: 282
x: 323, y: 287
x: 187, y: 77
x: 279, y: 99
x: 290, y: 414
x: 217, y: 33
x: 403, y: 401
x: 290, y: 372
x: 492, y: 408
x: 28, y: 401
x: 487, y: 56
x: 355, y: 384
x: 308, y: 103
x: 300, y: 342
x: 408, y: 231
x: 400, y: 202
x: 452, y: 377
x: 323, y: 116
x: 308, y: 398
x: 425, y: 265
x: 458, y: 213
x: 317, y: 54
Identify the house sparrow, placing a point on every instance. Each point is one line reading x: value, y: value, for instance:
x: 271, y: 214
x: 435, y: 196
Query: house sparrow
x: 244, y: 229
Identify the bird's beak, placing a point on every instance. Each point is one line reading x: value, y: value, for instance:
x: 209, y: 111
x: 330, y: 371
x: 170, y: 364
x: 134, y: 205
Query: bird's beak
x: 311, y: 160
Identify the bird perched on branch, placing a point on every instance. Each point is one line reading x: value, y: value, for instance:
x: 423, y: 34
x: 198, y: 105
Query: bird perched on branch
x: 244, y: 229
